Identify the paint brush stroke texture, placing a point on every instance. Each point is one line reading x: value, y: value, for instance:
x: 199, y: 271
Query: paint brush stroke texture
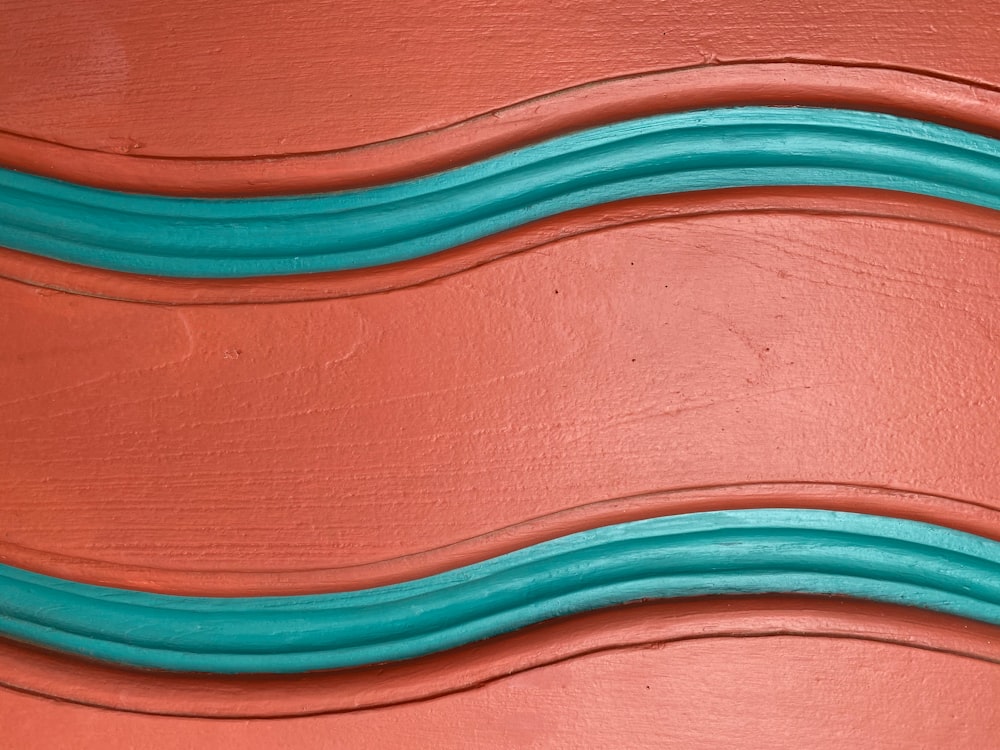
x: 762, y: 551
x: 665, y: 154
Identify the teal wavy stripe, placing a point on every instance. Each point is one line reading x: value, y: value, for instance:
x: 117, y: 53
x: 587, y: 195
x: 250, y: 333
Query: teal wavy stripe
x: 672, y: 153
x: 726, y: 552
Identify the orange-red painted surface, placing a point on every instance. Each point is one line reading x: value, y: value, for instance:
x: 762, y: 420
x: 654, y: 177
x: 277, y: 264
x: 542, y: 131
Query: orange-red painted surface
x: 922, y: 94
x: 700, y: 351
x: 817, y: 348
x: 755, y: 693
x: 240, y: 79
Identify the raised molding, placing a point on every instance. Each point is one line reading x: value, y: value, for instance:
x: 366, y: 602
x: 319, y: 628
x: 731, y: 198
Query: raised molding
x: 920, y: 94
x: 640, y: 625
x: 758, y: 551
x: 663, y: 154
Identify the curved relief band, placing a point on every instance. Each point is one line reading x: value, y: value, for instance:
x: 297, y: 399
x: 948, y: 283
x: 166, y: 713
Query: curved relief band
x: 923, y: 95
x: 762, y: 551
x: 665, y: 154
x: 640, y: 625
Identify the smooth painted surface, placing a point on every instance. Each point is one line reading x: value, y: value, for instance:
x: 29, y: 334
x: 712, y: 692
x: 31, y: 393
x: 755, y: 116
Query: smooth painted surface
x: 673, y: 153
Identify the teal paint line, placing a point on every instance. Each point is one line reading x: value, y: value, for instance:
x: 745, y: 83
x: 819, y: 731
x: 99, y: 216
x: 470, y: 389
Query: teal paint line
x: 660, y: 155
x: 763, y: 551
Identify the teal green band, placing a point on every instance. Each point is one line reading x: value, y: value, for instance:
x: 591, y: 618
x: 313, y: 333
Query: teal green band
x: 726, y: 552
x: 673, y: 153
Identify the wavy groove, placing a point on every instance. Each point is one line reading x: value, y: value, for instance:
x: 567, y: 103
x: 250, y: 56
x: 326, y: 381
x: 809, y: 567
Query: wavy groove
x: 763, y: 551
x: 962, y: 515
x: 922, y: 94
x: 666, y: 154
x: 916, y: 210
x: 92, y: 683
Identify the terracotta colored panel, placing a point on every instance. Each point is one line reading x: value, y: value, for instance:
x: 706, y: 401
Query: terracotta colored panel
x: 778, y: 692
x: 237, y: 79
x: 711, y: 350
x: 828, y: 349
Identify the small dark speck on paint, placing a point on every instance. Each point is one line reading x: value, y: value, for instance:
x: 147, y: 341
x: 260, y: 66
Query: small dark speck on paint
x: 232, y: 354
x: 633, y: 359
x: 557, y: 291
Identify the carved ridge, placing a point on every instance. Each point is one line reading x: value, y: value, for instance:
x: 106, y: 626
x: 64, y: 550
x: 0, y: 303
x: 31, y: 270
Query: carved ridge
x: 962, y: 515
x: 71, y: 278
x: 760, y: 551
x: 653, y: 623
x: 663, y: 154
x: 921, y: 94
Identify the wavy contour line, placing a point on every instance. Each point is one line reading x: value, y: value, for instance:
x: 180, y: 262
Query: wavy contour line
x: 664, y: 154
x: 911, y: 92
x: 764, y: 551
x: 654, y: 623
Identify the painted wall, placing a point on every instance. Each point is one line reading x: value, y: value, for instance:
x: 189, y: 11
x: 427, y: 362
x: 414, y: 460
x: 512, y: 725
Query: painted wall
x: 214, y: 387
